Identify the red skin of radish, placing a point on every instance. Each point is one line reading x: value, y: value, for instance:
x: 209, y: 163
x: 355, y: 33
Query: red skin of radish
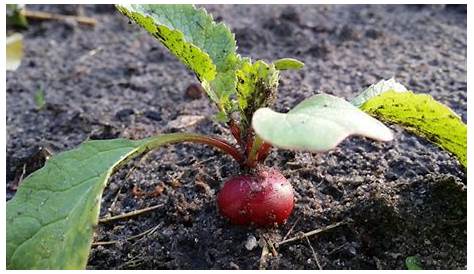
x: 263, y: 199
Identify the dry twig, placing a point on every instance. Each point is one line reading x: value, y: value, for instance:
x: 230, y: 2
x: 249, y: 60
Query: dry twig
x: 41, y: 15
x: 130, y: 214
x: 291, y: 229
x: 146, y: 232
x: 263, y: 257
x: 313, y: 232
x: 315, y: 255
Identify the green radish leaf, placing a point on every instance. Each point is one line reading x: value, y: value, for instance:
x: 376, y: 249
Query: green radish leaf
x: 288, y: 63
x: 377, y: 89
x: 206, y: 47
x: 256, y: 87
x: 51, y: 219
x: 424, y: 116
x: 317, y: 124
x: 14, y: 51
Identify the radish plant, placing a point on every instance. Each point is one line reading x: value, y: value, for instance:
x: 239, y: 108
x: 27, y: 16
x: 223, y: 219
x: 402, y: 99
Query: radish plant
x: 51, y: 219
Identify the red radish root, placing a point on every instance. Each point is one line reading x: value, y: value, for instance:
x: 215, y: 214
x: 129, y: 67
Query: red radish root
x: 263, y: 199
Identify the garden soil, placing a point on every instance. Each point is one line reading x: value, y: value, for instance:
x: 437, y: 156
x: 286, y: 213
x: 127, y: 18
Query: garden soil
x: 396, y: 200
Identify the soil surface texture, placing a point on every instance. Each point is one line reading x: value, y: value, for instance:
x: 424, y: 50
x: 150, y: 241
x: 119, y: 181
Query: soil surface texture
x: 397, y: 199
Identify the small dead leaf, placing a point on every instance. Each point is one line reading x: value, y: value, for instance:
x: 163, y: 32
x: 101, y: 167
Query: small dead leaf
x: 157, y: 192
x: 137, y: 192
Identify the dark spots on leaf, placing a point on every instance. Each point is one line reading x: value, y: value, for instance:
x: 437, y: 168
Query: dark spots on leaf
x: 159, y: 35
x: 197, y: 76
x: 199, y: 24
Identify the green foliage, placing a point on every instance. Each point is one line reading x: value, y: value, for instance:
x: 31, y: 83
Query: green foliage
x: 424, y: 116
x: 14, y: 51
x: 206, y: 47
x: 257, y: 84
x: 413, y: 263
x: 288, y: 63
x: 209, y: 49
x: 319, y: 123
x: 15, y: 16
x: 51, y: 219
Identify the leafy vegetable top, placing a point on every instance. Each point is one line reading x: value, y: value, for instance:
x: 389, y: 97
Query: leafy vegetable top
x: 391, y: 102
x: 209, y: 50
x: 206, y: 47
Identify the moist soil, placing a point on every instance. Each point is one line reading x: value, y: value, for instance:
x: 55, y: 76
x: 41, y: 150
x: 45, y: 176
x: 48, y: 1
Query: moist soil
x: 399, y: 199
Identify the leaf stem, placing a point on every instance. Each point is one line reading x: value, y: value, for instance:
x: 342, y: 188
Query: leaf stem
x: 196, y: 138
x: 235, y: 130
x: 263, y: 152
x: 253, y: 153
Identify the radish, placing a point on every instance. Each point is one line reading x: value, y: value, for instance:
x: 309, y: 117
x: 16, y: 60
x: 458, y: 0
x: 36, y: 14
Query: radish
x: 263, y: 199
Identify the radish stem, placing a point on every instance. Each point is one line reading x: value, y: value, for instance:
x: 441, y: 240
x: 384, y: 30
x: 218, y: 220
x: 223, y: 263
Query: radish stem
x: 202, y: 139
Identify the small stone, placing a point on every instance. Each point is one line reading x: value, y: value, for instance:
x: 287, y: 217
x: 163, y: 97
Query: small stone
x: 152, y: 115
x: 194, y: 91
x: 251, y: 242
x: 290, y: 14
x: 233, y: 265
x: 113, y: 187
x: 373, y: 33
x: 348, y: 33
x: 124, y: 113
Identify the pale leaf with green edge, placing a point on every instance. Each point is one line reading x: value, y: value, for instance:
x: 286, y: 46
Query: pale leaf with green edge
x: 377, y: 89
x: 14, y: 51
x: 288, y: 63
x: 51, y: 219
x: 206, y: 47
x: 317, y: 124
x: 424, y: 116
